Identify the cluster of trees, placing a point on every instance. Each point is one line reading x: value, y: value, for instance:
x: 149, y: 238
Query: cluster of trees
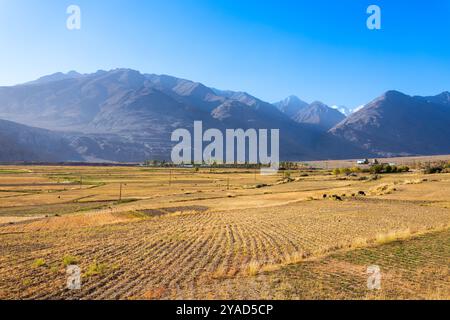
x: 211, y: 164
x: 287, y: 165
x: 441, y: 167
x: 347, y: 171
x: 386, y: 168
x: 375, y: 169
x: 158, y: 163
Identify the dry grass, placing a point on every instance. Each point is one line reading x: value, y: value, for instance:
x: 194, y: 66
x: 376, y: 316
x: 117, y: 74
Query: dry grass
x: 413, y: 269
x: 392, y: 236
x: 383, y: 189
x: 188, y: 238
x: 252, y: 268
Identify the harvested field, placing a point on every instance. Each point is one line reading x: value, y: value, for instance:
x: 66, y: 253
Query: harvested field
x: 140, y: 233
x: 417, y: 268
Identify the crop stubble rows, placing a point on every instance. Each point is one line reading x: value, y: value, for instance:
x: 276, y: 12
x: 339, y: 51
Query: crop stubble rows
x: 162, y: 256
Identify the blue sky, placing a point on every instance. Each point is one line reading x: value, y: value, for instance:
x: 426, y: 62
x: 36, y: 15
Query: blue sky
x: 318, y: 50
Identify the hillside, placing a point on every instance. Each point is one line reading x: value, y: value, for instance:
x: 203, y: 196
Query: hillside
x: 398, y: 124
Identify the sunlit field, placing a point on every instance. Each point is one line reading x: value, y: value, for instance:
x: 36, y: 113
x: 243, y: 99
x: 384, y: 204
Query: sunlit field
x: 161, y: 233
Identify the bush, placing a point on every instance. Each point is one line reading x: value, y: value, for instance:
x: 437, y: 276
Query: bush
x: 39, y: 263
x: 433, y: 170
x: 378, y: 168
x: 386, y: 168
x: 70, y: 260
x: 96, y: 269
x: 304, y: 175
x: 436, y: 167
x: 355, y: 170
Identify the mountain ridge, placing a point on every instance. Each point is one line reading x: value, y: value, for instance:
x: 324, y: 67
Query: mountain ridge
x: 126, y: 115
x: 398, y: 124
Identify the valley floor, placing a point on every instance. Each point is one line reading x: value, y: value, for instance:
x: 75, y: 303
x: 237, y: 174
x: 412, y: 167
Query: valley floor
x: 140, y: 233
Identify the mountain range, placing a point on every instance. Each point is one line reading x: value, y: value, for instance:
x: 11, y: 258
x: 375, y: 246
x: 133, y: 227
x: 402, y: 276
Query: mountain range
x: 396, y: 124
x: 23, y: 143
x: 123, y: 115
x: 317, y: 113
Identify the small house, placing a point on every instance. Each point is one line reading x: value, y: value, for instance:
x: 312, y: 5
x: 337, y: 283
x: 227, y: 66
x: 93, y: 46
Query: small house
x: 362, y: 162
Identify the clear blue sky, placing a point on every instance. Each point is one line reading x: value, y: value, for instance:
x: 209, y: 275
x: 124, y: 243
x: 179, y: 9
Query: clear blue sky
x: 318, y: 50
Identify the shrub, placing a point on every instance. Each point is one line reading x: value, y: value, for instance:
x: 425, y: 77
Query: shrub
x: 355, y: 170
x: 39, y: 263
x: 96, y: 269
x: 378, y: 168
x: 253, y: 268
x: 436, y: 167
x: 432, y: 170
x: 304, y: 175
x: 347, y: 171
x: 386, y: 168
x: 70, y: 260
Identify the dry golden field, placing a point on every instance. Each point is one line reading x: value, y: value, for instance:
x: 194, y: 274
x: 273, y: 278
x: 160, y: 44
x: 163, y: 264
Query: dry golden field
x: 149, y: 233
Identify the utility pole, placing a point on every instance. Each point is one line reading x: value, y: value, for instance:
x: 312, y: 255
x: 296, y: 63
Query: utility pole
x: 81, y: 182
x: 120, y: 192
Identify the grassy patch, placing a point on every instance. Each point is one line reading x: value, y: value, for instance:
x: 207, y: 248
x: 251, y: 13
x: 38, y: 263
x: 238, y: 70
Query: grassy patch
x: 60, y: 209
x: 70, y: 260
x: 39, y: 263
x: 14, y: 171
x: 252, y: 268
x: 95, y: 269
x: 393, y: 236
